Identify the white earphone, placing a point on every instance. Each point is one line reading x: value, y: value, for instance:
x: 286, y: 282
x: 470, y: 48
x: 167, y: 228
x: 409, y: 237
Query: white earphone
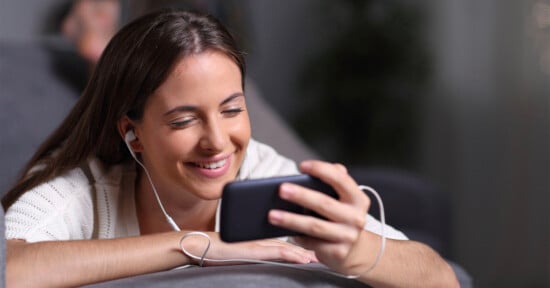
x: 131, y: 136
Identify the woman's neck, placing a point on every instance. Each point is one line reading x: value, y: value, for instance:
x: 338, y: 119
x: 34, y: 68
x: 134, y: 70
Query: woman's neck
x: 188, y: 211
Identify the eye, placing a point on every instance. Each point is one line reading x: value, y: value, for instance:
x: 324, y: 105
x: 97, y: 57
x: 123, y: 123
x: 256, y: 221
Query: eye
x: 181, y: 123
x: 232, y: 112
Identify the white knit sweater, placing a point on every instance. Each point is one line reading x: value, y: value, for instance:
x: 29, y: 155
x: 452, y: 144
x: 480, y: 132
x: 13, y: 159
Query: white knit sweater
x: 97, y: 202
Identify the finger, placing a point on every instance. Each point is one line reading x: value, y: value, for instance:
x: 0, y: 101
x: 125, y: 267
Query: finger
x: 267, y: 249
x: 323, y: 205
x: 313, y: 226
x: 280, y: 251
x: 312, y: 243
x: 341, y: 167
x: 339, y: 179
x: 330, y: 254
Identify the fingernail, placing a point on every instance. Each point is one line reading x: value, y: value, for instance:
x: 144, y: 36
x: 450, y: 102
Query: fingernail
x: 275, y: 217
x: 306, y: 165
x: 286, y: 191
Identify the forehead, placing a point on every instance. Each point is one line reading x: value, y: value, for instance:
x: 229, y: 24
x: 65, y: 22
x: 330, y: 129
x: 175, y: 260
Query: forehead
x: 196, y: 78
x: 203, y: 66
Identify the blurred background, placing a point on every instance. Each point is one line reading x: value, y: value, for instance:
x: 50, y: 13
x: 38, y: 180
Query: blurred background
x: 456, y: 92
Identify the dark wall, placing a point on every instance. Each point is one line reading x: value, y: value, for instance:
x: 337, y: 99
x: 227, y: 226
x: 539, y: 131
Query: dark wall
x: 488, y: 136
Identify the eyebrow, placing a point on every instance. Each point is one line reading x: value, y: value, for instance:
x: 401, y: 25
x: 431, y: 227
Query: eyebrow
x: 186, y: 108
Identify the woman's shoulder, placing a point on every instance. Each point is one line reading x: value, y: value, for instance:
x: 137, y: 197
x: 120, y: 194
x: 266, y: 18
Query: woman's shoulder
x: 67, y: 201
x: 63, y: 187
x: 263, y: 161
x: 40, y: 213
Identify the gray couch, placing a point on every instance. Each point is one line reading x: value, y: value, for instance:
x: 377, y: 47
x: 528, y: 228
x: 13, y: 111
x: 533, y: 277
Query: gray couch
x: 39, y: 83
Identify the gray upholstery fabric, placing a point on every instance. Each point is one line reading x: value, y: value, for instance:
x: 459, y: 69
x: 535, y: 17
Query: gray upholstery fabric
x: 429, y: 223
x: 464, y: 278
x: 253, y: 275
x: 34, y: 98
x: 268, y: 127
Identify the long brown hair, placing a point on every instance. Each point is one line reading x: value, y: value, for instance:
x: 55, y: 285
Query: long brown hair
x: 133, y: 65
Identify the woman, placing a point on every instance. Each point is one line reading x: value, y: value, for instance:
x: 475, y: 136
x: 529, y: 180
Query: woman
x: 171, y: 83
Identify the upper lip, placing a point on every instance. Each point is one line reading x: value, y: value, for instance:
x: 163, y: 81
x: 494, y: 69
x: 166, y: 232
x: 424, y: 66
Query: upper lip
x: 212, y: 159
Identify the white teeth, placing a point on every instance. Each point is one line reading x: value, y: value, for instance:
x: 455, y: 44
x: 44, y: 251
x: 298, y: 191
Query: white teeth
x: 212, y: 165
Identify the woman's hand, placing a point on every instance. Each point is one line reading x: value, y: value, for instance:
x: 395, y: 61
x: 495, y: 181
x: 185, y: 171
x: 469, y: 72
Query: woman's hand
x: 267, y: 250
x: 337, y: 240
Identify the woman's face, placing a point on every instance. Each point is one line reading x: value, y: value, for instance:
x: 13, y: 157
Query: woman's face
x: 195, y: 127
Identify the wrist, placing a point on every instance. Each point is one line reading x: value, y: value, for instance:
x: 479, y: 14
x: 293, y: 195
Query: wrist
x: 194, y: 246
x: 366, y: 254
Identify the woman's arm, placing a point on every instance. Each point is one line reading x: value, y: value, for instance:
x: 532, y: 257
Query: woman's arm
x: 341, y: 242
x: 80, y: 262
x: 404, y: 263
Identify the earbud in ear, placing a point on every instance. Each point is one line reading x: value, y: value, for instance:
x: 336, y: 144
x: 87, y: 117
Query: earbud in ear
x: 130, y: 136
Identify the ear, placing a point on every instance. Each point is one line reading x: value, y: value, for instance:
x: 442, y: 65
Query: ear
x: 125, y: 126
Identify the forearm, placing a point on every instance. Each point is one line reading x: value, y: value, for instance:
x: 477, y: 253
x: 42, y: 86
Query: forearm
x: 405, y: 264
x: 74, y: 263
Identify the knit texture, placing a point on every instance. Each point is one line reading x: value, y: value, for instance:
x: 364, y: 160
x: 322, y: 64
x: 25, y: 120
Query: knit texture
x: 61, y: 209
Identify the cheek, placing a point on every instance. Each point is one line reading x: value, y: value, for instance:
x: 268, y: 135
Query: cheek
x: 176, y: 145
x: 240, y: 128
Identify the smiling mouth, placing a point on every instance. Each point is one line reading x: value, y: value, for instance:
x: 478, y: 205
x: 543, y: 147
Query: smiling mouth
x: 211, y: 165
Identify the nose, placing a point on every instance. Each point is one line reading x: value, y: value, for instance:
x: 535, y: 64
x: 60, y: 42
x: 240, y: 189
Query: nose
x: 214, y: 136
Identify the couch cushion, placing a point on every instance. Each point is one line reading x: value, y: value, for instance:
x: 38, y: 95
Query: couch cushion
x: 36, y: 92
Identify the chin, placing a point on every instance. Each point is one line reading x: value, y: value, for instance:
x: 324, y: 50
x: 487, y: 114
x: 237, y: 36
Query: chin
x: 210, y: 192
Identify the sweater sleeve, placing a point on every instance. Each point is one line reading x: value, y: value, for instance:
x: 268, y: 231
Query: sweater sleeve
x: 61, y: 209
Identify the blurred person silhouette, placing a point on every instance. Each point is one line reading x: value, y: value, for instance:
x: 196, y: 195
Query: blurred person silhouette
x: 90, y: 24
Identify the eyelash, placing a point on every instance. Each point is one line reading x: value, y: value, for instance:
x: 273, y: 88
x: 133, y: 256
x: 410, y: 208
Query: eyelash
x: 180, y: 124
x: 233, y: 112
x: 228, y: 113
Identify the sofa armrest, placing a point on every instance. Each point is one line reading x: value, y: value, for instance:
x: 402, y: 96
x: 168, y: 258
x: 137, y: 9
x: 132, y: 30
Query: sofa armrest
x: 248, y: 275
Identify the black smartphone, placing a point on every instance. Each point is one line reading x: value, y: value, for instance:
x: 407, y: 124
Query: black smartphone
x: 245, y: 205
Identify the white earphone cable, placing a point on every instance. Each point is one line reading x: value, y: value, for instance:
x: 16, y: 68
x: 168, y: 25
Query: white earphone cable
x: 201, y: 259
x: 168, y: 218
